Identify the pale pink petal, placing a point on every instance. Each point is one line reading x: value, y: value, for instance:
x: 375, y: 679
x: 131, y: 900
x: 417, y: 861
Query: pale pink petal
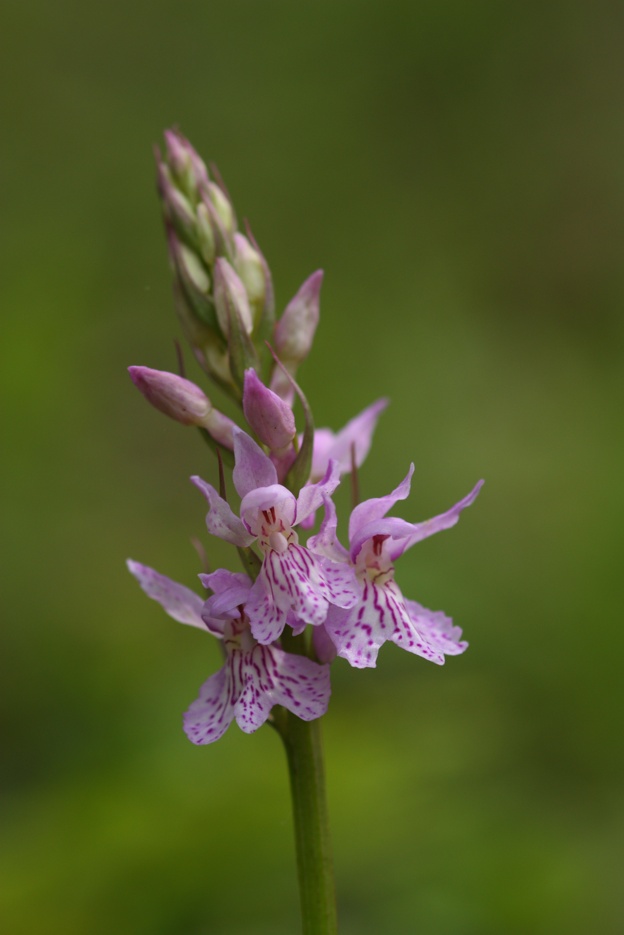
x: 264, y: 498
x: 374, y: 509
x: 296, y: 625
x: 359, y: 633
x: 357, y: 433
x: 221, y: 521
x: 222, y: 580
x: 390, y: 527
x: 323, y: 645
x: 298, y: 683
x: 225, y: 605
x: 296, y: 584
x: 180, y: 603
x: 311, y: 496
x: 437, y: 524
x: 337, y: 582
x: 252, y: 468
x: 266, y: 618
x: 254, y: 704
x: 430, y: 634
x: 323, y: 441
x: 326, y: 541
x: 209, y: 717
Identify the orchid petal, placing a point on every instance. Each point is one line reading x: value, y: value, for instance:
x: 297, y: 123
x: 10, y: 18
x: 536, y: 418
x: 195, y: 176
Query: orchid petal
x: 326, y: 541
x: 323, y: 644
x: 298, y: 683
x: 436, y: 524
x: 311, y: 496
x: 220, y: 520
x: 296, y: 584
x: 222, y: 580
x: 209, y: 717
x: 263, y: 498
x: 180, y: 602
x: 254, y: 704
x: 225, y: 605
x: 377, y: 507
x: 323, y: 441
x: 359, y: 633
x: 266, y: 619
x: 252, y: 468
x: 390, y: 527
x: 429, y: 634
x: 358, y: 434
x: 337, y: 582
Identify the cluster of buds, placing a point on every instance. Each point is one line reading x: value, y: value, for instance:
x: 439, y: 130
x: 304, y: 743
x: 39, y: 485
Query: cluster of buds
x: 320, y: 598
x: 222, y: 285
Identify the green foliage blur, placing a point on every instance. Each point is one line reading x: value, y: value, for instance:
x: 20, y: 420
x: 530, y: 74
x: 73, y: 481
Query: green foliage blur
x: 456, y: 169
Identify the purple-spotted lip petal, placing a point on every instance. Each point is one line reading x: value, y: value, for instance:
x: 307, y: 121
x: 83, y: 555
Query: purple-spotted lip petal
x: 265, y: 498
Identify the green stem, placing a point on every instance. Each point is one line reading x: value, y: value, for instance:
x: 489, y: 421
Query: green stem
x: 302, y: 740
x: 315, y: 870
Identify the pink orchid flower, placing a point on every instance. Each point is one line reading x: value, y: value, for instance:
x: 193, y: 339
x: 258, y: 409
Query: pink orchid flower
x: 254, y: 677
x: 293, y: 585
x: 381, y: 612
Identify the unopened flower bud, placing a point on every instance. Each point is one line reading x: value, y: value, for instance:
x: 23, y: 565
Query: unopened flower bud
x: 249, y: 266
x: 184, y: 401
x: 294, y: 332
x: 221, y: 204
x: 177, y: 397
x: 176, y: 206
x: 194, y: 269
x: 230, y: 298
x: 205, y: 234
x: 269, y: 416
x: 186, y: 164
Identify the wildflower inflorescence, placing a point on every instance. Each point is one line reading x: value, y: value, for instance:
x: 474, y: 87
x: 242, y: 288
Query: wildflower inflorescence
x: 318, y: 598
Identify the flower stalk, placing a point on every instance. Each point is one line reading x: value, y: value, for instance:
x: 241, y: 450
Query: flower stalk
x: 315, y: 871
x: 315, y: 867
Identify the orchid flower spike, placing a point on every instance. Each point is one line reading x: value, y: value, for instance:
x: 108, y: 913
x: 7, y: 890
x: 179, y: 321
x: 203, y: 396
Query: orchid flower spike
x: 254, y: 677
x: 381, y: 612
x: 293, y: 586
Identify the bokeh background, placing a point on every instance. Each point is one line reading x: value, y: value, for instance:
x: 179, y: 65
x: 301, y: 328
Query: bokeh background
x: 457, y: 170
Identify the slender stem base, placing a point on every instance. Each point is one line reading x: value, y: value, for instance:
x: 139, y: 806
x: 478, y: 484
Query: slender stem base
x: 302, y: 740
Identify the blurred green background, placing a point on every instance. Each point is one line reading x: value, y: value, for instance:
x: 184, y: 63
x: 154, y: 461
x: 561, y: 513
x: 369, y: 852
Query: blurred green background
x: 457, y: 170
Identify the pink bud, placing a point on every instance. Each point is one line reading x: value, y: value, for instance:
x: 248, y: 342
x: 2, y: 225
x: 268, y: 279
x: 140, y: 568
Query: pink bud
x: 184, y: 160
x: 294, y: 331
x: 183, y: 401
x: 269, y: 416
x: 176, y: 397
